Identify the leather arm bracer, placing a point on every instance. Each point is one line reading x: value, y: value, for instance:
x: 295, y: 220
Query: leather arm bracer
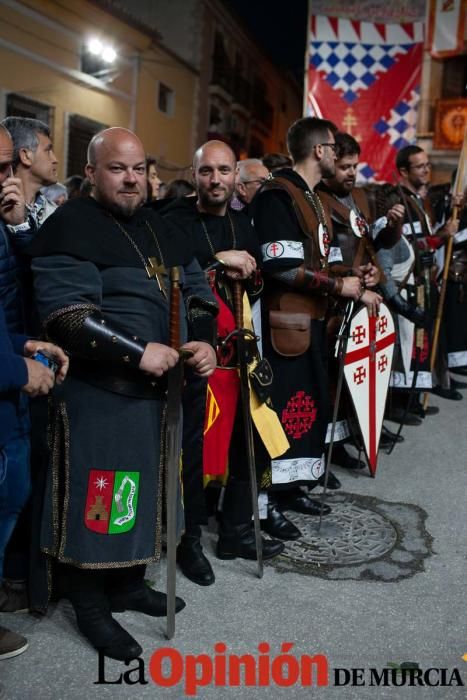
x: 320, y: 282
x: 82, y: 331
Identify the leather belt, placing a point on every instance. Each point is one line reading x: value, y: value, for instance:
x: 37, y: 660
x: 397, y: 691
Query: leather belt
x: 139, y: 386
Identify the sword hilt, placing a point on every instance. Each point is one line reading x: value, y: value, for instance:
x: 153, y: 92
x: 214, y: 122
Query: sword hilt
x: 174, y: 309
x: 237, y: 296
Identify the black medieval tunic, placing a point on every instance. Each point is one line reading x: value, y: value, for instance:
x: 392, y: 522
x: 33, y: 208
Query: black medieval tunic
x: 102, y: 506
x: 210, y: 234
x: 300, y: 391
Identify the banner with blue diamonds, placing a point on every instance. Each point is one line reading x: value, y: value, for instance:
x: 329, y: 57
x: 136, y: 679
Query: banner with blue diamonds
x: 365, y: 77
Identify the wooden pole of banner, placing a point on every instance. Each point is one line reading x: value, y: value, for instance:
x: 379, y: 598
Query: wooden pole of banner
x: 447, y: 263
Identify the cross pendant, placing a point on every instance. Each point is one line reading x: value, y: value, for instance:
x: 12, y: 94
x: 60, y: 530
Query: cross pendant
x: 155, y: 271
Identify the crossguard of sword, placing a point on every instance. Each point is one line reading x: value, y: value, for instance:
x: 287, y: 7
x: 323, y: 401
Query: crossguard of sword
x: 245, y: 333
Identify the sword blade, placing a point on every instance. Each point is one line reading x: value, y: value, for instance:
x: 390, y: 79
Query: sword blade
x: 173, y: 451
x: 250, y: 448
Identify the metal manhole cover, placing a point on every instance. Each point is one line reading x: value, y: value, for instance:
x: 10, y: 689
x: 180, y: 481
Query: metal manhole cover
x: 363, y: 538
x: 350, y: 534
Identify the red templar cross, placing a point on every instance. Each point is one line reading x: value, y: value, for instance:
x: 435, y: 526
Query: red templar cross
x: 383, y: 324
x: 382, y: 363
x: 359, y: 335
x: 369, y: 351
x: 274, y: 249
x: 299, y: 415
x: 359, y: 375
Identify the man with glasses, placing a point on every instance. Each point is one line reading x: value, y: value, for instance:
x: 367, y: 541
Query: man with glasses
x: 251, y: 174
x: 415, y: 175
x: 294, y: 230
x: 409, y: 270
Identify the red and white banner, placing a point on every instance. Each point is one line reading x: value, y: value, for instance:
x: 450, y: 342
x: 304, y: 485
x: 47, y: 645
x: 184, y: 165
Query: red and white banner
x: 365, y: 77
x: 446, y: 27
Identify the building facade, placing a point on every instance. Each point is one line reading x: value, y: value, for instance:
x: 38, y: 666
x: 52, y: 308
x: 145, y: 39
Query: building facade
x: 242, y: 97
x: 183, y: 71
x: 46, y: 71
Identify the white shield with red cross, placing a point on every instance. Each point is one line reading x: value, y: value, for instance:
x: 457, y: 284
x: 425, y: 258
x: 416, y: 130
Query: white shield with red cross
x: 367, y: 369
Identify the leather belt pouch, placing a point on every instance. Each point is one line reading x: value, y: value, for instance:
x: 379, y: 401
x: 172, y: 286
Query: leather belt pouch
x: 290, y: 333
x: 261, y: 380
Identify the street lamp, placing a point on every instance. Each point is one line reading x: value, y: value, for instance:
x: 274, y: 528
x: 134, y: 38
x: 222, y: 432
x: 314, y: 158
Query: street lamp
x: 97, y: 57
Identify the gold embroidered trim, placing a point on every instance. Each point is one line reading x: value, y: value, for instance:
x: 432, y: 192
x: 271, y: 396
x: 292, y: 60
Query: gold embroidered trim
x: 162, y: 462
x: 66, y: 466
x: 99, y: 565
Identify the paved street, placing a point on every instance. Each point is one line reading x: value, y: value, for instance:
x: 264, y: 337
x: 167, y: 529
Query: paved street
x: 354, y: 623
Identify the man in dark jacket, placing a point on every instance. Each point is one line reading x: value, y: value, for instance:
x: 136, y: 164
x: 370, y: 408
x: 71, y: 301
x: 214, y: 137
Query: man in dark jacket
x: 20, y: 376
x: 19, y: 373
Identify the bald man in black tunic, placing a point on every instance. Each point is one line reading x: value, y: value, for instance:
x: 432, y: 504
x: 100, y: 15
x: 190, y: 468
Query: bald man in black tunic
x: 101, y: 284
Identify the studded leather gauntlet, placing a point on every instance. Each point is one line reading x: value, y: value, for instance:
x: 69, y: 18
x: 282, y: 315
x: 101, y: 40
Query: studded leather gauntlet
x: 82, y: 331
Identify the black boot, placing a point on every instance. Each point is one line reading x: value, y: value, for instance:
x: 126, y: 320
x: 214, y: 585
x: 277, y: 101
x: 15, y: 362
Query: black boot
x: 85, y: 590
x: 418, y: 410
x: 241, y: 543
x: 127, y: 590
x: 295, y: 499
x: 389, y: 437
x: 236, y: 535
x: 450, y: 394
x: 193, y: 562
x: 341, y: 458
x: 105, y: 633
x: 277, y: 525
x: 333, y: 482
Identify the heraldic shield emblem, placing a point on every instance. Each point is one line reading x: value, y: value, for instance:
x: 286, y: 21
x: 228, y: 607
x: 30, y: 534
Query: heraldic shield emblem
x: 367, y: 369
x: 111, y: 501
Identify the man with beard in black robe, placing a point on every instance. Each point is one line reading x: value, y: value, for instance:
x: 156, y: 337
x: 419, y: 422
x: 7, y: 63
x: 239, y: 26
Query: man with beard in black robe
x: 100, y: 267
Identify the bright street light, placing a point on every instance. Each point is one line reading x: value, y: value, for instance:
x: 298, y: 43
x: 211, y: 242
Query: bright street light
x: 95, y: 47
x: 109, y: 54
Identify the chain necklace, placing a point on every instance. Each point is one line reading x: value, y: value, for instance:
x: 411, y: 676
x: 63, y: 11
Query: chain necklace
x: 232, y: 229
x: 154, y: 270
x: 324, y: 241
x: 317, y: 205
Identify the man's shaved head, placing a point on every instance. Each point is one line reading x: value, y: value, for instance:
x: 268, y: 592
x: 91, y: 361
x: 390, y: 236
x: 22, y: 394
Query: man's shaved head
x: 108, y: 139
x: 117, y: 170
x: 214, y: 170
x: 217, y: 147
